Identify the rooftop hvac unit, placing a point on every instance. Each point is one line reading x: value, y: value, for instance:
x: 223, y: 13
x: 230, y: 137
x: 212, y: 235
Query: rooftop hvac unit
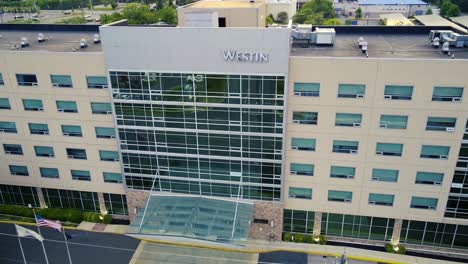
x: 24, y: 42
x: 40, y: 37
x: 96, y: 39
x: 83, y: 43
x: 325, y: 36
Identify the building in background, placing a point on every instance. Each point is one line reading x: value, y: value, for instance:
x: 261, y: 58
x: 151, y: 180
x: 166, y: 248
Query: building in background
x: 374, y: 8
x: 247, y: 136
x: 233, y: 13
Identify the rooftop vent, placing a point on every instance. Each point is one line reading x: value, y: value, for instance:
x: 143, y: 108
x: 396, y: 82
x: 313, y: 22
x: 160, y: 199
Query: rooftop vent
x: 436, y: 43
x: 24, y: 42
x: 40, y: 37
x: 446, y: 48
x: 83, y: 43
x: 97, y: 39
x: 360, y: 41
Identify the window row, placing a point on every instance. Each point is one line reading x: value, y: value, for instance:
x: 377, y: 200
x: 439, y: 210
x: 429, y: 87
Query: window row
x: 80, y: 175
x: 72, y: 153
x: 202, y: 88
x: 67, y: 130
x: 373, y: 199
x: 391, y: 92
x: 381, y: 149
x: 59, y: 81
x: 386, y: 121
x: 383, y: 175
x: 36, y: 105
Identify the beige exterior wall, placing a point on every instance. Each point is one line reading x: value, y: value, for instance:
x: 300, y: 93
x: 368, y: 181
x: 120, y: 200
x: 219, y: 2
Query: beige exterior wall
x: 43, y: 64
x: 235, y: 17
x: 375, y: 74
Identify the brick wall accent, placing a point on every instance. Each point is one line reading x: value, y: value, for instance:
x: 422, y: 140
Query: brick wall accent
x: 396, y: 231
x: 102, y: 204
x: 136, y: 200
x: 317, y: 223
x: 40, y: 196
x: 271, y: 211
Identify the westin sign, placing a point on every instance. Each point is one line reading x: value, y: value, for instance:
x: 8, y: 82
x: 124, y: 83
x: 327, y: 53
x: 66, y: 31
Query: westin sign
x: 253, y: 57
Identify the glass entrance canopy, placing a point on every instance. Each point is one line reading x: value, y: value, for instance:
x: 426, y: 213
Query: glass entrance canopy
x: 206, y: 218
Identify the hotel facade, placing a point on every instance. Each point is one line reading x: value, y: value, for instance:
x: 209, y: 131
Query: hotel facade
x: 316, y: 140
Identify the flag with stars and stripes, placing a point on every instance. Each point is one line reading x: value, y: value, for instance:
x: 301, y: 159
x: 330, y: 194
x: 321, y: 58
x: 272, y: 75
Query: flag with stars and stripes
x: 40, y: 221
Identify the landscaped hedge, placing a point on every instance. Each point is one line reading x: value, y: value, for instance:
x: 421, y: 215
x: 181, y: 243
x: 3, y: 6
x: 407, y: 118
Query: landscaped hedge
x: 304, y: 238
x: 61, y: 214
x: 391, y: 249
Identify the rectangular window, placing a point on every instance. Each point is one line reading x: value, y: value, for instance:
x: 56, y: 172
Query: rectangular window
x: 389, y: 149
x: 108, y: 155
x: 309, y: 118
x: 385, y: 175
x: 340, y: 196
x: 101, y: 108
x: 431, y: 178
x: 441, y: 124
x: 13, y: 149
x: 5, y: 103
x: 64, y: 81
x: 26, y: 79
x: 1, y: 80
x: 342, y: 172
x: 18, y: 170
x: 447, y: 94
x: 49, y: 173
x: 351, y: 90
x: 81, y: 175
x: 300, y: 193
x: 348, y: 120
x: 44, y: 151
x: 67, y: 106
x: 307, y: 89
x: 8, y: 127
x: 38, y: 129
x: 434, y: 152
x: 33, y: 105
x: 393, y: 121
x: 76, y: 153
x: 343, y: 146
x: 105, y: 132
x: 424, y: 203
x: 302, y: 169
x: 97, y: 82
x: 303, y: 144
x: 398, y: 92
x: 112, y: 177
x: 72, y: 131
x: 381, y: 199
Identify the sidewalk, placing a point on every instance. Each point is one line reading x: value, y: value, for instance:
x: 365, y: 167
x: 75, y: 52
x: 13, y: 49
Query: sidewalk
x: 97, y: 227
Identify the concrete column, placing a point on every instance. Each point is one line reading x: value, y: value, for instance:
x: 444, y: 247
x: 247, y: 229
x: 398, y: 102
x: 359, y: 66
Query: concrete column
x: 40, y: 196
x: 317, y: 223
x: 396, y: 231
x: 102, y: 204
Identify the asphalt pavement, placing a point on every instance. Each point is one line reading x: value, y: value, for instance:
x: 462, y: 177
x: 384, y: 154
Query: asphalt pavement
x: 85, y: 247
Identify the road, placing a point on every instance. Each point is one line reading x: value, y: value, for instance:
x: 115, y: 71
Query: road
x: 85, y: 247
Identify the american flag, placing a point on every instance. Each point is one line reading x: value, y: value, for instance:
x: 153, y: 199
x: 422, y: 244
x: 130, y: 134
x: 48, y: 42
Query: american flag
x: 40, y: 221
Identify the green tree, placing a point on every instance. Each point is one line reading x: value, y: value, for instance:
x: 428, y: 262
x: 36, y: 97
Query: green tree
x: 167, y: 15
x: 139, y: 14
x: 429, y: 11
x: 282, y: 17
x: 445, y: 7
x: 314, y: 12
x: 453, y: 11
x: 114, y: 4
x: 269, y: 20
x: 358, y: 13
x: 332, y: 22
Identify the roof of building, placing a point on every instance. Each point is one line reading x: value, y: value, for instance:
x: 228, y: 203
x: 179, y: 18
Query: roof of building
x: 396, y: 46
x: 396, y: 19
x: 392, y: 2
x: 462, y: 20
x: 60, y: 38
x: 224, y: 4
x: 435, y: 20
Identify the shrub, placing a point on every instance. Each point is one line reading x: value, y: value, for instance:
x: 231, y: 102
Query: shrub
x: 107, y: 219
x: 94, y: 217
x: 16, y: 210
x: 61, y: 214
x: 323, y: 240
x: 287, y: 236
x: 391, y: 249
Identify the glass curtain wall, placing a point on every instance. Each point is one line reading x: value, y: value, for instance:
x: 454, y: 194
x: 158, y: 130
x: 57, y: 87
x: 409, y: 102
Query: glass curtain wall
x: 201, y: 133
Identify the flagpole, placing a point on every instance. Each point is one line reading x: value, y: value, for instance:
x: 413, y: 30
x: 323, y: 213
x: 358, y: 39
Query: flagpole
x: 42, y: 242
x: 22, y: 252
x: 66, y: 244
